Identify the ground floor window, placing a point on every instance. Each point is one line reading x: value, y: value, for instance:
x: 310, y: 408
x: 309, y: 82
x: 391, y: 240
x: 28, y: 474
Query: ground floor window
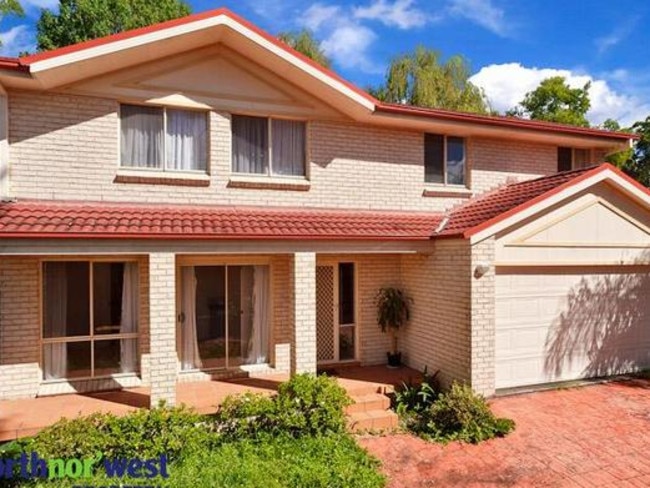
x: 90, y: 319
x: 224, y: 316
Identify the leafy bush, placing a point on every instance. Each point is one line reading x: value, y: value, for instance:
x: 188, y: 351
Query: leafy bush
x: 412, y: 398
x: 462, y: 415
x: 246, y: 416
x: 309, y: 405
x: 143, y: 434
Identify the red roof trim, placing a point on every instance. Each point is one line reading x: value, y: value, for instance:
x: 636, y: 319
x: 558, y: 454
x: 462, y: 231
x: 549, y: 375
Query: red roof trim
x: 193, y: 237
x: 540, y: 198
x: 500, y: 121
x: 13, y: 64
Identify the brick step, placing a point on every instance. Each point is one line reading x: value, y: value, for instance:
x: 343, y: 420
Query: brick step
x: 373, y: 421
x: 368, y: 402
x: 356, y: 388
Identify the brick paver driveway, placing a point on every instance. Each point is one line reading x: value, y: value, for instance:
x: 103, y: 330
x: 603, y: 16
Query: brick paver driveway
x: 596, y: 435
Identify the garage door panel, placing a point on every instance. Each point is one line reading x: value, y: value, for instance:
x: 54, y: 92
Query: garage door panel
x: 563, y: 324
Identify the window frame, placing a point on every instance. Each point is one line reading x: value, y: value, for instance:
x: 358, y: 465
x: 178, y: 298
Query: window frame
x: 92, y: 337
x: 445, y: 173
x: 164, y: 169
x: 269, y: 150
x: 588, y: 152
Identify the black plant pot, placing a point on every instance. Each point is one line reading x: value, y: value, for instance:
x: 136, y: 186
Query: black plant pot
x: 394, y: 360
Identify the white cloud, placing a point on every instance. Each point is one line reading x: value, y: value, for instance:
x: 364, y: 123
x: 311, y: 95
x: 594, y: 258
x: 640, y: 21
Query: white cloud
x: 483, y: 13
x: 51, y: 4
x: 506, y: 85
x: 16, y: 40
x: 344, y: 39
x: 400, y: 13
x: 318, y: 14
x: 620, y: 32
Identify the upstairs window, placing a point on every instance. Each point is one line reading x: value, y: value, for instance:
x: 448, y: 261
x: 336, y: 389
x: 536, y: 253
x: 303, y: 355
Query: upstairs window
x: 569, y: 158
x: 444, y: 160
x: 265, y: 146
x: 163, y: 139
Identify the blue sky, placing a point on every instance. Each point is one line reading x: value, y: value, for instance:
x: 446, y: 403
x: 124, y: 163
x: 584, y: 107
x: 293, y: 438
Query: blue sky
x: 511, y: 44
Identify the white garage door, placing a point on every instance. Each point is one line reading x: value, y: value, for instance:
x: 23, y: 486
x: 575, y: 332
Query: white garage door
x: 567, y: 323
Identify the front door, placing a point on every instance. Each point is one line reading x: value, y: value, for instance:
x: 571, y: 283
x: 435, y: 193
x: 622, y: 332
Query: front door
x: 336, y: 312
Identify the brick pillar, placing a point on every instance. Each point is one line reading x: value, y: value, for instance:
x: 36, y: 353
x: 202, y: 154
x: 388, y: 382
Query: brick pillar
x: 483, y: 318
x: 162, y: 334
x: 304, y: 283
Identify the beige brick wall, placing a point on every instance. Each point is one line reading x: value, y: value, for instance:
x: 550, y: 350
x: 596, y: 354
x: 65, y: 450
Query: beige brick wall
x: 67, y: 147
x: 483, y: 318
x: 304, y: 306
x: 495, y: 161
x: 438, y: 335
x: 19, y: 328
x: 162, y: 315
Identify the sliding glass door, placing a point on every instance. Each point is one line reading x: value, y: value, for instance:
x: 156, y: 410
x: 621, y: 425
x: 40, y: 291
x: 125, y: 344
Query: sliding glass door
x: 224, y: 316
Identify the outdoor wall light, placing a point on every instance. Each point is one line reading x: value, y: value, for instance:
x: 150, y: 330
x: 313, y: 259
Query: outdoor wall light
x: 481, y: 269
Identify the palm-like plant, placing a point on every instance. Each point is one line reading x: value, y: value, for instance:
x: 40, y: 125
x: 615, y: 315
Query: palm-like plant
x: 393, y: 312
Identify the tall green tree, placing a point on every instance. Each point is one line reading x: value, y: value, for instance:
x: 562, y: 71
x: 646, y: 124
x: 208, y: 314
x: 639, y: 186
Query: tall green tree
x: 422, y: 79
x: 555, y: 101
x: 636, y: 161
x: 82, y: 20
x: 10, y: 7
x: 305, y: 43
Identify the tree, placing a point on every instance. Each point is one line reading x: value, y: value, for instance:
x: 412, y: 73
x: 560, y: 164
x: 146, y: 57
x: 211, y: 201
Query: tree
x: 82, y: 20
x: 555, y: 101
x: 611, y: 125
x: 305, y: 43
x: 420, y: 79
x: 636, y: 161
x: 10, y: 7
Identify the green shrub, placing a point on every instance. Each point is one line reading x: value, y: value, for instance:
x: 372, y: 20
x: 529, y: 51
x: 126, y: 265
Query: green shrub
x: 304, y: 405
x: 462, y: 415
x: 311, y: 405
x: 247, y: 416
x: 143, y: 434
x: 414, y: 398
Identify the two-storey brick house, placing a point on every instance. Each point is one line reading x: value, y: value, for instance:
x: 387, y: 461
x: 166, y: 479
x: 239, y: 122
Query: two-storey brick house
x: 195, y: 198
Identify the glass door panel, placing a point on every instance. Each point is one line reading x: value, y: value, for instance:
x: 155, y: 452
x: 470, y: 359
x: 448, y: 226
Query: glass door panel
x: 211, y: 315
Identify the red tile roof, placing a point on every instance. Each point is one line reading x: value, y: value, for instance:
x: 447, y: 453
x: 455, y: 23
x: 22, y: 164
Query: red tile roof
x: 509, y: 199
x: 47, y: 219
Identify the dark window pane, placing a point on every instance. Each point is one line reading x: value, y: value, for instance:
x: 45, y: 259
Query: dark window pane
x: 115, y: 356
x: 288, y: 147
x: 346, y: 343
x: 564, y: 158
x: 66, y: 297
x: 250, y: 145
x: 455, y: 161
x: 211, y: 315
x: 434, y: 153
x: 142, y: 136
x: 108, y: 280
x: 66, y: 360
x: 346, y: 293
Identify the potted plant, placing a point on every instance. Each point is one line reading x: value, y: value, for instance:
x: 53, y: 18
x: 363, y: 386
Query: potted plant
x: 392, y: 313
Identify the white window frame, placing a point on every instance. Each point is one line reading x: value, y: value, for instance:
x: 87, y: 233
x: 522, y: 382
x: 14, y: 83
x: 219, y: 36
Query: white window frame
x: 445, y: 173
x: 91, y: 336
x: 164, y: 168
x: 269, y: 134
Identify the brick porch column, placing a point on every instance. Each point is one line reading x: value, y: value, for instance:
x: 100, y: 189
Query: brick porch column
x: 483, y: 318
x: 162, y: 313
x: 304, y: 283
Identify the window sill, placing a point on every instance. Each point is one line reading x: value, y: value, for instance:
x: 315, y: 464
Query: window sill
x: 162, y: 178
x: 269, y: 182
x: 441, y: 191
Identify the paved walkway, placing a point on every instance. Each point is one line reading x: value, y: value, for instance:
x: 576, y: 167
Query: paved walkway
x: 596, y: 435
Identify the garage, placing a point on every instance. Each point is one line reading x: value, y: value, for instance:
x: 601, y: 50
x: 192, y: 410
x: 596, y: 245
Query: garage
x: 572, y: 290
x: 565, y: 323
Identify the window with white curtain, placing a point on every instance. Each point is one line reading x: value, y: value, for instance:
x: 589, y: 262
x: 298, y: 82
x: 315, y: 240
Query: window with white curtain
x: 268, y: 146
x: 163, y: 139
x: 90, y: 319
